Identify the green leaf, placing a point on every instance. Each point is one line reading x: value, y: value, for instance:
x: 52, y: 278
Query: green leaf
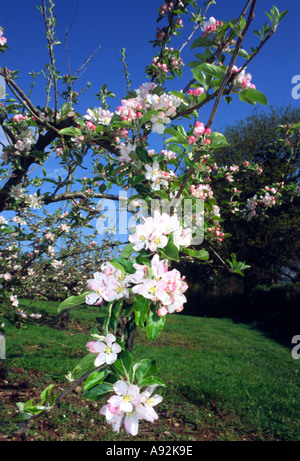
x: 144, y: 369
x: 141, y: 307
x: 241, y: 52
x: 211, y: 69
x: 201, y: 254
x: 70, y: 131
x: 123, y: 366
x: 175, y: 148
x: 127, y: 251
x: 200, y: 77
x: 177, y: 140
x: 85, y: 365
x: 170, y: 251
x: 72, y: 301
x: 137, y: 179
x: 218, y: 140
x: 95, y: 378
x: 21, y: 417
x: 151, y: 381
x: 97, y: 392
x: 154, y: 325
x: 46, y: 394
x: 253, y: 96
x: 143, y: 155
x: 114, y: 316
x: 171, y: 131
x: 123, y: 265
x: 37, y: 154
x: 202, y: 42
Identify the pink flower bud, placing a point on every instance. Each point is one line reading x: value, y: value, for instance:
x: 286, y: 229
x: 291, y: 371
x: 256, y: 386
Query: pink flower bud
x: 162, y: 311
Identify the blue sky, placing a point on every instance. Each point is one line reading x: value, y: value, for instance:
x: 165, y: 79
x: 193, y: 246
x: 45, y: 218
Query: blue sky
x: 131, y: 25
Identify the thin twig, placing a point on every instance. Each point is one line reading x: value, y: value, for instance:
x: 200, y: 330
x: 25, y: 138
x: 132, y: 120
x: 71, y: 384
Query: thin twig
x: 220, y: 92
x: 66, y: 39
x: 196, y: 27
x: 86, y: 62
x: 52, y: 70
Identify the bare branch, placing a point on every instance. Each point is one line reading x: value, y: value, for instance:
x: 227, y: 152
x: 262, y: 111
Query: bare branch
x: 66, y: 39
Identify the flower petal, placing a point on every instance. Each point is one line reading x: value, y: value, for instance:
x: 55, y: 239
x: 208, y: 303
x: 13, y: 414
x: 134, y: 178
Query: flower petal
x: 120, y: 387
x: 100, y: 359
x: 131, y: 424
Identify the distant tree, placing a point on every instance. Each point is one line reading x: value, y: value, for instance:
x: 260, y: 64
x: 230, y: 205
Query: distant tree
x: 270, y: 246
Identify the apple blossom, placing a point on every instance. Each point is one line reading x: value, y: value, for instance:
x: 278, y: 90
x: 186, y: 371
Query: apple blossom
x: 106, y: 350
x: 128, y: 406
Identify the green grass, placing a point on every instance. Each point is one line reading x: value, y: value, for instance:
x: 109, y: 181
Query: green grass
x: 225, y: 381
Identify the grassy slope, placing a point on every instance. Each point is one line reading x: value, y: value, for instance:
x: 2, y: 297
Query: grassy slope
x: 225, y: 381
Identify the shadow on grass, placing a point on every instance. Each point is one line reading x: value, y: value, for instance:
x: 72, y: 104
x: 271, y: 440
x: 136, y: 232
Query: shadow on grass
x: 272, y: 313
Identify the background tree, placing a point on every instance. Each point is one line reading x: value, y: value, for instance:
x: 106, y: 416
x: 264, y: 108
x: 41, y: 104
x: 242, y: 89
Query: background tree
x: 271, y: 246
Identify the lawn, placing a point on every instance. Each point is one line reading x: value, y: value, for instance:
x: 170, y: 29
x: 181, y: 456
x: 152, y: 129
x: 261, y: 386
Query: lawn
x: 225, y: 381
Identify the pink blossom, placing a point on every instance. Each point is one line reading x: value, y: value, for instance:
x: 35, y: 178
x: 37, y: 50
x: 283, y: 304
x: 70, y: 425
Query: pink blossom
x: 106, y: 351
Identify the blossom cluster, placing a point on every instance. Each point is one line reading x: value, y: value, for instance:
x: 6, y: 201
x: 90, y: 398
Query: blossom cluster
x: 158, y: 177
x: 166, y: 7
x: 160, y: 285
x: 128, y: 406
x: 153, y: 233
x: 200, y: 132
x: 171, y: 63
x: 202, y: 191
x: 163, y: 108
x: 210, y: 26
x: 3, y: 40
x: 98, y: 116
x: 196, y: 92
x: 265, y: 201
x: 243, y: 80
x: 155, y: 283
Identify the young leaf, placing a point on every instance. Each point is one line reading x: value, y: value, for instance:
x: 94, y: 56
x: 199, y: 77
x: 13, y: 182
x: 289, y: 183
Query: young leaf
x: 98, y: 391
x: 70, y: 131
x: 170, y: 251
x: 254, y: 96
x: 143, y: 155
x: 72, y: 302
x: 123, y: 265
x: 212, y: 70
x: 218, y: 140
x: 95, y: 378
x: 144, y: 369
x: 141, y: 307
x: 154, y: 325
x: 127, y: 251
x: 201, y: 254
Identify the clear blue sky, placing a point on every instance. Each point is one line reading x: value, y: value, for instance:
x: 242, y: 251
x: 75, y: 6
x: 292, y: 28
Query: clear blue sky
x: 131, y: 24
